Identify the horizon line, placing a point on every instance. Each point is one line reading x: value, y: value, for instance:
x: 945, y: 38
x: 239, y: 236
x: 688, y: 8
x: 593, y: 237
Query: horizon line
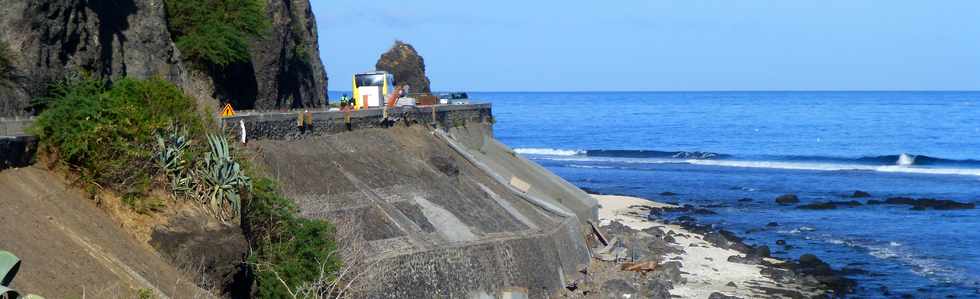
x: 704, y: 90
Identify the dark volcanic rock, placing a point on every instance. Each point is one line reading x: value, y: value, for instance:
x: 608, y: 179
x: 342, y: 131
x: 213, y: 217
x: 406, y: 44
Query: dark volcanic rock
x: 130, y: 38
x: 930, y: 203
x: 787, y: 199
x: 618, y: 288
x: 717, y: 295
x: 818, y: 206
x: 199, y: 245
x: 761, y: 251
x: 829, y: 205
x: 657, y: 289
x: 860, y: 194
x: 748, y: 260
x: 811, y: 265
x: 407, y: 65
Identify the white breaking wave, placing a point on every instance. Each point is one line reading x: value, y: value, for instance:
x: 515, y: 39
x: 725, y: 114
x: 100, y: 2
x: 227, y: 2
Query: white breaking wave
x: 548, y: 152
x: 579, y: 156
x: 905, y: 160
x: 835, y: 167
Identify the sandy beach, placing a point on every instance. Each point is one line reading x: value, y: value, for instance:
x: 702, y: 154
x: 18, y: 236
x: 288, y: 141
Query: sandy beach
x: 705, y: 267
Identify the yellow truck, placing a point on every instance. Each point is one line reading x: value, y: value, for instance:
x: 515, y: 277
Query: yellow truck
x: 372, y: 88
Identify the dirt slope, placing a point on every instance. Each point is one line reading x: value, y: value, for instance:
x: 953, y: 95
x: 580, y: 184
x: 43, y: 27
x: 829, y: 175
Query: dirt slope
x: 70, y: 248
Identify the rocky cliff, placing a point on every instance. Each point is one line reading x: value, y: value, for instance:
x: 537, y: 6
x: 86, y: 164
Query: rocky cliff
x: 116, y: 38
x: 407, y: 65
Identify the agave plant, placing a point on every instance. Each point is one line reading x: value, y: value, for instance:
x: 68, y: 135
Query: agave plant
x: 171, y: 147
x: 221, y: 178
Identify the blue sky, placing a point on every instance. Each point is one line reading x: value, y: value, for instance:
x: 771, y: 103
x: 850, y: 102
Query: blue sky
x: 662, y: 45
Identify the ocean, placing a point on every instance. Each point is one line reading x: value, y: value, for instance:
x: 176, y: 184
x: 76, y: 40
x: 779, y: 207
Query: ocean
x: 720, y: 149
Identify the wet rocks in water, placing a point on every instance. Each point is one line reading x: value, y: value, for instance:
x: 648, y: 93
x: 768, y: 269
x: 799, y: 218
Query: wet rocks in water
x: 860, y: 194
x: 787, y: 199
x: 745, y: 200
x: 929, y: 203
x: 772, y: 224
x: 668, y: 193
x: 780, y: 242
x: 821, y: 271
x: 830, y: 205
x: 761, y: 251
x: 817, y: 206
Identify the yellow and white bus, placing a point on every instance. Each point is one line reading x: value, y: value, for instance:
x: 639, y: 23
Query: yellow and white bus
x: 372, y: 88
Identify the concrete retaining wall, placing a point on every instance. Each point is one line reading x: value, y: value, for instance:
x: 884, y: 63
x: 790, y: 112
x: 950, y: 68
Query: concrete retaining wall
x: 283, y: 125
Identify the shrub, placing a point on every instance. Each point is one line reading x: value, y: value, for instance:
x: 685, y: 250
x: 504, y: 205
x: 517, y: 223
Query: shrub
x: 106, y: 132
x: 216, y: 32
x: 289, y: 249
x: 220, y: 179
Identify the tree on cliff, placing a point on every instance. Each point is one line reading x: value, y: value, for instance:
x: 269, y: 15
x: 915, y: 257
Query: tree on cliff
x: 407, y: 65
x: 216, y: 32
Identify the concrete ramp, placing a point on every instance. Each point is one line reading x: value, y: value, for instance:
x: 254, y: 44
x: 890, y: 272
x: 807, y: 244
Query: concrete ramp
x: 443, y: 225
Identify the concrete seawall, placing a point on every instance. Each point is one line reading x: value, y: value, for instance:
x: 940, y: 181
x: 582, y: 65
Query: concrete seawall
x: 283, y: 125
x: 442, y: 218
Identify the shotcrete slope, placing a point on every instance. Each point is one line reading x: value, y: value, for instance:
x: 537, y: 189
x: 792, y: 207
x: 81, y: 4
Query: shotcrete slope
x: 70, y: 248
x: 444, y: 226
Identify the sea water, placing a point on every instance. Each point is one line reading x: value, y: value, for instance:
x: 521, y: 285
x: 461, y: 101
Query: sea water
x: 720, y: 149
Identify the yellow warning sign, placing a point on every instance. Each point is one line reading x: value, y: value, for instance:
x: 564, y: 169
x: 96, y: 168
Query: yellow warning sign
x: 227, y: 111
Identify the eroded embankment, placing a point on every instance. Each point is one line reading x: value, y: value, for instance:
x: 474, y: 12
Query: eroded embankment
x: 71, y: 249
x: 438, y: 223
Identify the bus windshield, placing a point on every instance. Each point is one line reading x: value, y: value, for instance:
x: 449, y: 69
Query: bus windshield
x: 370, y: 80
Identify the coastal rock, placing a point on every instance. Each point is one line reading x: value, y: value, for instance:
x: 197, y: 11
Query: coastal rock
x: 860, y: 194
x: 618, y: 288
x: 745, y: 199
x: 407, y: 65
x: 748, y: 260
x: 930, y: 203
x: 772, y: 224
x: 717, y: 295
x: 787, y: 199
x: 761, y: 251
x: 668, y: 193
x: 780, y: 242
x: 818, y: 206
x: 657, y: 289
x: 130, y: 38
x: 809, y: 264
x: 669, y: 271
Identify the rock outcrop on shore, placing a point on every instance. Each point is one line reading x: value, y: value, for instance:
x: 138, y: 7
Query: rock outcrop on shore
x: 407, y: 65
x: 130, y: 38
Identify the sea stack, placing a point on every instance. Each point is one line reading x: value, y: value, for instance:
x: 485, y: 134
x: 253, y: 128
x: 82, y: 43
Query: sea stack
x: 407, y: 65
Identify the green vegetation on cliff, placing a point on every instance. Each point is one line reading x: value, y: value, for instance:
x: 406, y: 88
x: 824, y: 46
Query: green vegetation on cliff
x: 134, y: 137
x: 216, y: 32
x: 106, y: 132
x: 289, y: 250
